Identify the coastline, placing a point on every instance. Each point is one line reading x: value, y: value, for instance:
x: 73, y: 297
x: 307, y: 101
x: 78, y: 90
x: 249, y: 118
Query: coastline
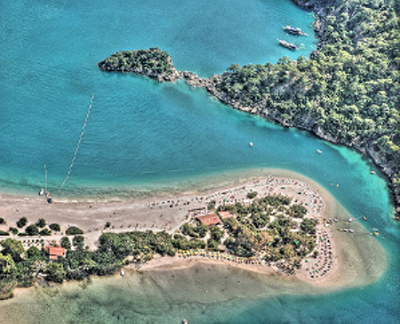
x: 366, y: 147
x: 358, y: 258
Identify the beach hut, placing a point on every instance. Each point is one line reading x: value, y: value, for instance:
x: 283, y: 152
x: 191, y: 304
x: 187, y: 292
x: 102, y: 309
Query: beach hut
x: 210, y: 219
x: 55, y: 252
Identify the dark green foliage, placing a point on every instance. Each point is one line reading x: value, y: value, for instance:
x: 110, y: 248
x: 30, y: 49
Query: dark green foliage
x: 2, y: 221
x: 211, y: 205
x: 45, y: 232
x: 22, y: 222
x: 348, y: 91
x: 252, y: 194
x: 146, y: 62
x: 260, y: 220
x: 55, y: 272
x: 297, y: 211
x: 195, y: 231
x: 135, y: 243
x: 13, y: 248
x: 55, y: 227
x: 34, y: 253
x: 32, y: 230
x: 78, y: 241
x: 230, y: 224
x: 66, y: 243
x: 13, y: 230
x: 216, y: 234
x: 73, y: 230
x: 4, y: 233
x: 308, y: 226
x: 212, y: 244
x: 41, y: 223
x: 108, y: 224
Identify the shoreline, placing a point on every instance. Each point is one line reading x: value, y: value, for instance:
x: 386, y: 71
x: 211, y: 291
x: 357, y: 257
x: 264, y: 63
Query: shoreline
x: 352, y: 267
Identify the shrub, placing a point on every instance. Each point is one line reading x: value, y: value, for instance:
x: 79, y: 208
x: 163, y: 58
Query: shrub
x: 252, y: 194
x: 4, y: 233
x: 73, y: 230
x: 2, y: 221
x: 55, y: 227
x: 41, y: 223
x: 22, y: 222
x: 32, y: 230
x: 78, y: 241
x: 45, y: 232
x: 13, y: 230
x: 66, y: 243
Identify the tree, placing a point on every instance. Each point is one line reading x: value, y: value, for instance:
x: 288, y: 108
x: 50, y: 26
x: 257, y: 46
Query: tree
x: 22, y: 222
x: 252, y: 194
x: 2, y: 221
x: 7, y: 264
x: 55, y: 227
x: 13, y: 230
x: 32, y: 230
x: 34, y: 253
x: 12, y: 247
x: 41, y: 223
x: 55, y: 272
x: 216, y: 234
x: 308, y: 226
x: 45, y: 232
x: 66, y: 243
x: 78, y: 241
x: 73, y: 230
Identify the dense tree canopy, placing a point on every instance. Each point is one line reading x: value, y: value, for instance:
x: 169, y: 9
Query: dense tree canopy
x: 346, y: 93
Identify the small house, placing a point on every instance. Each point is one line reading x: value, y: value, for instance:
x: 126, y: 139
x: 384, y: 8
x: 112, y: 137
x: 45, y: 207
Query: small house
x: 55, y: 252
x: 209, y: 219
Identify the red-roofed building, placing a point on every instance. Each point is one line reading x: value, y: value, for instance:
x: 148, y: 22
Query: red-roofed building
x: 209, y: 219
x: 55, y: 252
x: 225, y: 214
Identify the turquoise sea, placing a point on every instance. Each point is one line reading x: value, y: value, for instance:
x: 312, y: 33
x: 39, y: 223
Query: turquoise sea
x: 144, y: 136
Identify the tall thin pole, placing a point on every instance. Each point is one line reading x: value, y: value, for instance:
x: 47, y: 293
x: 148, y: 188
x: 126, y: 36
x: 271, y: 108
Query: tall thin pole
x: 45, y: 178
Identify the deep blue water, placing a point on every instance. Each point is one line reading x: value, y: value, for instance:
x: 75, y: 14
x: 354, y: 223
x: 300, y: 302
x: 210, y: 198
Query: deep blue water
x: 142, y: 134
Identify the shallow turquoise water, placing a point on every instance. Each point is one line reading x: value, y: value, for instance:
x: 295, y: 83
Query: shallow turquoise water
x: 142, y: 134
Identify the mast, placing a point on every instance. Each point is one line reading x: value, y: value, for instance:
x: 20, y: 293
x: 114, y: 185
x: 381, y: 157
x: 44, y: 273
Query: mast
x: 45, y: 177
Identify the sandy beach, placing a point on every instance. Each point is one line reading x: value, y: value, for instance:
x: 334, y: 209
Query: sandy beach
x: 344, y: 259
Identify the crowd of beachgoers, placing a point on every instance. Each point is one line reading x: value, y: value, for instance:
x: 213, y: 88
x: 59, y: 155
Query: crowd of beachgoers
x: 317, y: 265
x: 170, y: 214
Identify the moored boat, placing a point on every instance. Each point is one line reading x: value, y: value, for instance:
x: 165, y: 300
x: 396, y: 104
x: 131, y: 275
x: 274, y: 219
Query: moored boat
x: 319, y: 151
x: 294, y: 30
x: 287, y: 45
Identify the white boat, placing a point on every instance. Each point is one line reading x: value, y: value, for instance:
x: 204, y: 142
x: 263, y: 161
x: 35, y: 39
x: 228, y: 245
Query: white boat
x: 319, y: 151
x: 251, y: 144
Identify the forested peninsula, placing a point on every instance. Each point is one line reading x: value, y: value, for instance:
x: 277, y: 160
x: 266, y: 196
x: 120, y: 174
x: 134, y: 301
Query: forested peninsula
x: 345, y: 93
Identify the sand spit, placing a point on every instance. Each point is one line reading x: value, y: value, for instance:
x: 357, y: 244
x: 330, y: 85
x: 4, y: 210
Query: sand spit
x: 354, y: 259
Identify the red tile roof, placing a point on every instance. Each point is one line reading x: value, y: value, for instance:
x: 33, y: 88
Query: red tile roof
x: 55, y: 252
x: 225, y: 214
x: 209, y: 219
